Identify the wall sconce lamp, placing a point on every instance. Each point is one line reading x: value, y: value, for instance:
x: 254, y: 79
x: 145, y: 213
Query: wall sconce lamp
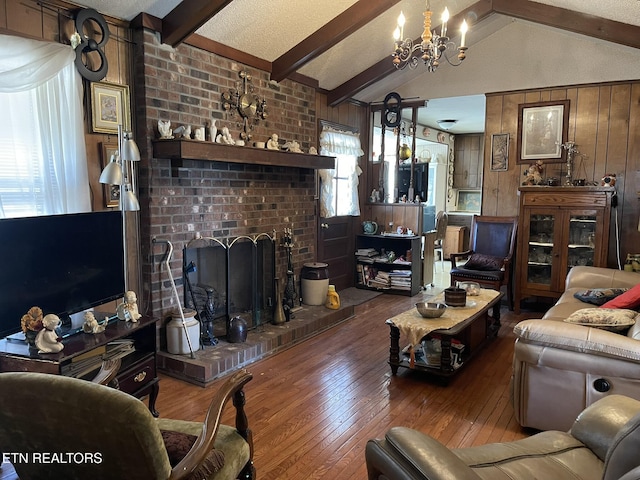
x: 121, y: 171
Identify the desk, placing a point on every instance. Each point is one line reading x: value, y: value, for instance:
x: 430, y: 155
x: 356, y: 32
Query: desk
x: 471, y: 326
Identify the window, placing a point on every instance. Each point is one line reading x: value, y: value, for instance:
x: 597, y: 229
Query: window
x: 43, y: 164
x: 339, y: 192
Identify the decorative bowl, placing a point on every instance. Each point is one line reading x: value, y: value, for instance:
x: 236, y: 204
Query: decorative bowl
x: 430, y: 310
x: 472, y: 288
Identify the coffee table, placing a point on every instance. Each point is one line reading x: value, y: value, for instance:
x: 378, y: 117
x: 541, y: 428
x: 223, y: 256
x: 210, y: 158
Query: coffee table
x: 461, y: 332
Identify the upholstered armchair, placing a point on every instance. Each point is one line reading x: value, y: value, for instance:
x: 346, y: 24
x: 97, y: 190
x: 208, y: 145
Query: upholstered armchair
x: 55, y: 427
x: 491, y: 247
x: 603, y: 443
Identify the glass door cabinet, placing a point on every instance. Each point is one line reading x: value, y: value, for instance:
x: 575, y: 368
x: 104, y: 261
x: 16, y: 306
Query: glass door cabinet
x: 560, y: 227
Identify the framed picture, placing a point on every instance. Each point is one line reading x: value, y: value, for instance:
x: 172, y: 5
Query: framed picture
x: 499, y: 152
x: 111, y: 192
x: 468, y: 201
x: 542, y: 128
x: 109, y: 107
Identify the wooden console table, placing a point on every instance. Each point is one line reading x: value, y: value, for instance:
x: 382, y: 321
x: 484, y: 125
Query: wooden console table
x: 137, y: 375
x: 472, y: 326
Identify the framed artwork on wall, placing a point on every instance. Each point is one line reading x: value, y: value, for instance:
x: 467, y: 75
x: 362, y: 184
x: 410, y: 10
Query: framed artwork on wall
x: 111, y: 193
x: 499, y: 152
x: 109, y: 107
x: 468, y: 201
x: 542, y: 128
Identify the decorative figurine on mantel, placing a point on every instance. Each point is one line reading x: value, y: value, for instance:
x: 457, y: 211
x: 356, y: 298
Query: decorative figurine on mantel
x: 313, y: 151
x: 91, y: 325
x: 292, y: 146
x: 272, y: 143
x: 183, y: 131
x: 225, y: 137
x: 128, y: 309
x: 199, y: 134
x: 164, y: 128
x: 47, y: 340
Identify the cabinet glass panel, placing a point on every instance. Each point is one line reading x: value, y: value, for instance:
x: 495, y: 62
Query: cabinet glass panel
x: 582, y: 234
x: 541, y: 228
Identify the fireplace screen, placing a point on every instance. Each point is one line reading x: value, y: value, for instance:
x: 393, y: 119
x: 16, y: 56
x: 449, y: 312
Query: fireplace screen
x: 224, y: 279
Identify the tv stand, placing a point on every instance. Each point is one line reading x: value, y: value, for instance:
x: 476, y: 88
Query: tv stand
x: 137, y: 375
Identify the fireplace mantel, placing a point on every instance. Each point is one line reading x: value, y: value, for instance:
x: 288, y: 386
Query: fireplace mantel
x: 178, y: 150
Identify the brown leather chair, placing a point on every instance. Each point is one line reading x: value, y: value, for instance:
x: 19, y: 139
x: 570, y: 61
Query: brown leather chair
x: 491, y: 247
x: 603, y: 443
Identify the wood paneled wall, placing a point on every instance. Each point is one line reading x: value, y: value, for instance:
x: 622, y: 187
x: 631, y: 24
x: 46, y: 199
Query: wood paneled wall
x: 604, y: 122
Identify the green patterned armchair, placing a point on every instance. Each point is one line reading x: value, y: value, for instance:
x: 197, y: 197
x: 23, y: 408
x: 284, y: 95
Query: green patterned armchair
x: 54, y: 427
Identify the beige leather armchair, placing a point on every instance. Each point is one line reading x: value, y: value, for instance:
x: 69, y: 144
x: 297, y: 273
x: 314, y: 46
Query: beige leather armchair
x: 560, y: 368
x: 603, y: 443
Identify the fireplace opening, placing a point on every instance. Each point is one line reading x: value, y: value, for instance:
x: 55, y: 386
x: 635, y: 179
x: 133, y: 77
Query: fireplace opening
x: 229, y: 278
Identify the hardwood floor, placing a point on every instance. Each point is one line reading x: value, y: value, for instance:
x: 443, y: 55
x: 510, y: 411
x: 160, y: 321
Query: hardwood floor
x: 313, y: 407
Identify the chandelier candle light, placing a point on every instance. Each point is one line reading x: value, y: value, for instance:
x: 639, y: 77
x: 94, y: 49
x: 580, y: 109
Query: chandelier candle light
x: 433, y: 46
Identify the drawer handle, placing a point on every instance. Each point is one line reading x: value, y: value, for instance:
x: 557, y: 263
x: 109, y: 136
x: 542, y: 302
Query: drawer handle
x: 140, y: 377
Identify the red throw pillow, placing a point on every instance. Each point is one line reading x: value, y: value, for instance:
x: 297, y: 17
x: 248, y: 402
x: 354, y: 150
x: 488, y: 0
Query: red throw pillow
x: 629, y: 299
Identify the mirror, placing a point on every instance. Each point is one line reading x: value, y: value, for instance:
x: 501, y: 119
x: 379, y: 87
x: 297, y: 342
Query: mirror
x: 407, y: 161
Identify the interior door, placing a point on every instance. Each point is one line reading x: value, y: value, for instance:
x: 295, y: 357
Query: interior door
x: 336, y: 247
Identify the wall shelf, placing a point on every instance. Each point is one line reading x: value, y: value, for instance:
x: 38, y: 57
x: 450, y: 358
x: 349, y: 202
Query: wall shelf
x: 179, y: 150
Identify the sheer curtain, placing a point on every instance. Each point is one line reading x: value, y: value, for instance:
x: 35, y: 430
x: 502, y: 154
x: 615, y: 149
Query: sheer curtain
x: 339, y: 190
x: 43, y: 162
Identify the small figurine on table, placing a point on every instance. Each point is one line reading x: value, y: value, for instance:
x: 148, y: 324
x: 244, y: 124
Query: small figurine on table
x: 91, y: 325
x: 47, y: 339
x: 128, y: 309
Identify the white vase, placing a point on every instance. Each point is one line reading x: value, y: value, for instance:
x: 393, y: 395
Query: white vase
x: 213, y: 131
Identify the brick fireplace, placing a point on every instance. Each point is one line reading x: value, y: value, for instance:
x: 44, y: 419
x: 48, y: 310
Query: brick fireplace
x: 215, y: 198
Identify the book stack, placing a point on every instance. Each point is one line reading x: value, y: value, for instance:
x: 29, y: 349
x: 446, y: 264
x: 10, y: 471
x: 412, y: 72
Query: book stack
x: 400, y: 279
x: 381, y: 280
x: 92, y: 360
x: 366, y: 255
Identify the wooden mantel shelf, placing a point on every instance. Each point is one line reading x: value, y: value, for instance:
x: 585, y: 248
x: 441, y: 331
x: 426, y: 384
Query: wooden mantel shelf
x: 178, y: 150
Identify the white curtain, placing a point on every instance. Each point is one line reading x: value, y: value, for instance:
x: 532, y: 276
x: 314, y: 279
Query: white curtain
x: 43, y: 161
x: 339, y: 190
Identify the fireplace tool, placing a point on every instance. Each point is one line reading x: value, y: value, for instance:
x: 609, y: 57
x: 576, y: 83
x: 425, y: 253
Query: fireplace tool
x: 167, y: 258
x: 290, y: 287
x: 206, y: 315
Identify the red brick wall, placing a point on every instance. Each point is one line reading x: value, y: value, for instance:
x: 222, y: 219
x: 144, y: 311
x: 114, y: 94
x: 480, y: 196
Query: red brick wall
x: 219, y: 199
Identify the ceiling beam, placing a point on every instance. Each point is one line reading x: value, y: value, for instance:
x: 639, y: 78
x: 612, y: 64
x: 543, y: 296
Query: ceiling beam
x: 473, y: 14
x: 570, y: 20
x: 187, y: 17
x: 348, y: 22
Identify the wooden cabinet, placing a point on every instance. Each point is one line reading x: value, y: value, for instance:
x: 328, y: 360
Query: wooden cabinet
x: 560, y: 227
x: 137, y: 375
x: 468, y: 157
x: 390, y: 263
x: 454, y: 240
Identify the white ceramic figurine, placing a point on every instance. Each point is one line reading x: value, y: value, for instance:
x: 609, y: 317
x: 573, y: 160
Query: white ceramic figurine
x: 47, y: 340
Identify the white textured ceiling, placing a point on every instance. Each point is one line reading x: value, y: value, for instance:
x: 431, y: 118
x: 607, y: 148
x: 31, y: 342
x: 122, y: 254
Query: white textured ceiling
x: 503, y: 54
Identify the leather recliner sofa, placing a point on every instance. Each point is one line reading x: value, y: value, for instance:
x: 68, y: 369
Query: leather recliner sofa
x: 560, y: 368
x: 602, y: 444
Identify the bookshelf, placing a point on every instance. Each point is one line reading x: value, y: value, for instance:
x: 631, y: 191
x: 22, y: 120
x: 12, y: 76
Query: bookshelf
x: 389, y: 263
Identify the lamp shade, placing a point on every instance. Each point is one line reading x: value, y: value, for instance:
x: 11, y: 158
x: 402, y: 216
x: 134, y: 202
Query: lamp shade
x: 130, y: 151
x: 112, y: 173
x: 129, y: 200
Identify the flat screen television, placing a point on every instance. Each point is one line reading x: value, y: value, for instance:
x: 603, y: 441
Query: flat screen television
x: 63, y: 264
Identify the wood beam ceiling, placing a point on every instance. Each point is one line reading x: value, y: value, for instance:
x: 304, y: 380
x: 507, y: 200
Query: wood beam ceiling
x: 190, y: 15
x: 187, y: 17
x: 332, y: 33
x: 570, y: 20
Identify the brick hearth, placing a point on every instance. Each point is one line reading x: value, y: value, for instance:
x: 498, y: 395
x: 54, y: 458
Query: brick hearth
x: 215, y: 361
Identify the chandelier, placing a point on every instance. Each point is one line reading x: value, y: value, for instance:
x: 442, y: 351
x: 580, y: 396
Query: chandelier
x: 433, y: 46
